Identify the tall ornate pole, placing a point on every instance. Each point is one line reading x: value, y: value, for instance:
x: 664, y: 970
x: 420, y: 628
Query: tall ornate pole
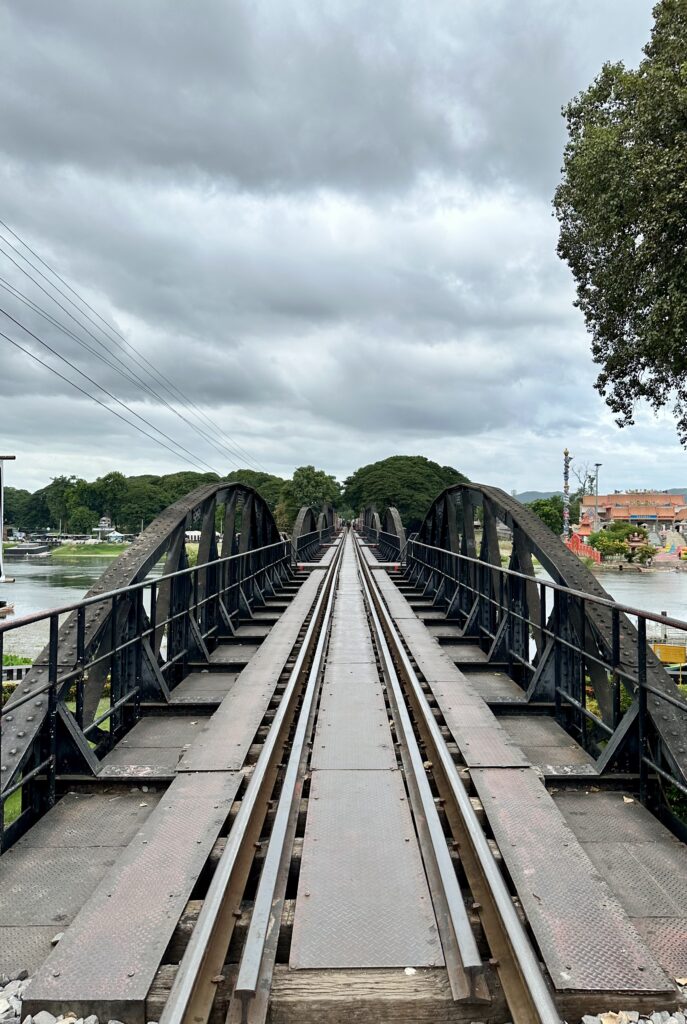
x: 567, y: 459
x: 3, y: 459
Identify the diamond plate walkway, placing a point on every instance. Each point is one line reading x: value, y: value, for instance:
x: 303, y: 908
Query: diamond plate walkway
x: 363, y: 899
x: 585, y: 936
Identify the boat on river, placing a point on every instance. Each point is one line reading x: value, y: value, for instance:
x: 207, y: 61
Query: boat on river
x: 6, y: 609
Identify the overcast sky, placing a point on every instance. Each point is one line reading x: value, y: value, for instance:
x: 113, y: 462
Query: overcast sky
x: 328, y: 224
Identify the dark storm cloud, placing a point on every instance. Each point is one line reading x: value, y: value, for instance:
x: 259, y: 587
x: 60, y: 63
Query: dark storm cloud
x: 328, y: 224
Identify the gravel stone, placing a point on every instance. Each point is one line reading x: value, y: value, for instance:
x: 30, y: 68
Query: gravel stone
x: 56, y: 938
x: 4, y: 980
x: 91, y: 1020
x: 5, y: 1005
x: 43, y: 1017
x: 20, y: 975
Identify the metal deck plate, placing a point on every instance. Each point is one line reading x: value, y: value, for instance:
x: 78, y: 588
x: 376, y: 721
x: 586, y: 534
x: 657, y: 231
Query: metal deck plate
x: 226, y: 739
x: 468, y: 653
x: 163, y: 759
x: 666, y: 937
x: 203, y: 687
x: 543, y: 740
x: 609, y: 817
x: 487, y: 747
x: 352, y: 727
x: 495, y: 686
x: 108, y: 958
x: 233, y: 654
x: 584, y: 935
x: 164, y: 731
x: 43, y: 886
x: 648, y: 878
x: 91, y: 819
x: 363, y: 899
x: 24, y: 948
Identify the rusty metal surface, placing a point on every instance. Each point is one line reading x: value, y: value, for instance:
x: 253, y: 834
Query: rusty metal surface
x: 363, y: 899
x: 585, y: 937
x: 110, y: 954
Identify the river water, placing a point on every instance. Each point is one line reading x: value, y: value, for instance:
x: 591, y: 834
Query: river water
x: 43, y: 583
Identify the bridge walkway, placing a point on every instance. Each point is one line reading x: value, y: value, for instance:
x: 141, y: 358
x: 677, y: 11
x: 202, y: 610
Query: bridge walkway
x: 594, y: 878
x: 594, y: 829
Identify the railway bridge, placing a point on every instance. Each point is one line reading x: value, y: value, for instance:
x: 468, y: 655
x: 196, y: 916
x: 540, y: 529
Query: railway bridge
x: 346, y: 775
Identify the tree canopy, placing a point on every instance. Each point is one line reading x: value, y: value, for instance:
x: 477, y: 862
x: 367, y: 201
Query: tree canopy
x: 622, y: 207
x: 550, y: 511
x: 410, y: 482
x: 308, y: 486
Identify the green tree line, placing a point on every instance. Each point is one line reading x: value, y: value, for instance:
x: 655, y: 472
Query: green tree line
x: 410, y: 482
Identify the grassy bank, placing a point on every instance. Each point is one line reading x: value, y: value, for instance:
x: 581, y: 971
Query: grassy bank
x: 88, y: 550
x: 10, y: 660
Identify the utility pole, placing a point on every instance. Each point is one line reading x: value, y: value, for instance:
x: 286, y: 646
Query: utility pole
x: 567, y: 459
x: 596, y: 495
x: 3, y: 459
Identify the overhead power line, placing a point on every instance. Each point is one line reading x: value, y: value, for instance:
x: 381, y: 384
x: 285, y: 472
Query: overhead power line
x: 108, y: 331
x: 109, y: 394
x: 47, y: 366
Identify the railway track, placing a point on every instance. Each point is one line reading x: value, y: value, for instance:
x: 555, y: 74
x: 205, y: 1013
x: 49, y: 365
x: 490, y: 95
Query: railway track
x: 355, y: 874
x: 444, y: 820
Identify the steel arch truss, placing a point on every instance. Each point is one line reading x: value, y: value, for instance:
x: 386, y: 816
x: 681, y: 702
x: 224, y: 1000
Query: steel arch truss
x: 389, y: 535
x: 311, y: 530
x: 559, y: 644
x: 133, y: 634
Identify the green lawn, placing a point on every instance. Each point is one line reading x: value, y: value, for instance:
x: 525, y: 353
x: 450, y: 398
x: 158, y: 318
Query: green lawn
x: 10, y: 660
x: 88, y: 550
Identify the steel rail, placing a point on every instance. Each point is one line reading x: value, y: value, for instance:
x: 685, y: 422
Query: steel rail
x: 525, y: 988
x: 463, y: 961
x: 257, y: 958
x: 192, y: 993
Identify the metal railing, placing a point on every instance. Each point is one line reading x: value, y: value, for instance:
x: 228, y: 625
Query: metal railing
x: 152, y: 630
x: 307, y: 544
x: 581, y: 650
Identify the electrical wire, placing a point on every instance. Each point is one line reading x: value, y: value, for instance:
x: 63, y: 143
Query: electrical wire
x: 93, y: 398
x: 105, y: 391
x: 111, y: 330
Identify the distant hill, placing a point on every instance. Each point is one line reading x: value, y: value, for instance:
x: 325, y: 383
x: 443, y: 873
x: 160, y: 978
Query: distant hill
x: 528, y: 496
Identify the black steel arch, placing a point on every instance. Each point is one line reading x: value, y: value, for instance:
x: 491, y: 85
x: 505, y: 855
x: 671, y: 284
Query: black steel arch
x: 196, y: 601
x: 450, y: 528
x: 388, y: 533
x: 312, y: 529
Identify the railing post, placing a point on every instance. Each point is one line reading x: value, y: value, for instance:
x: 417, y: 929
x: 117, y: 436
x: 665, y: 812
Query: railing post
x: 642, y: 708
x: 557, y: 653
x: 80, y: 660
x: 615, y: 662
x: 115, y: 717
x: 583, y: 672
x: 52, y: 708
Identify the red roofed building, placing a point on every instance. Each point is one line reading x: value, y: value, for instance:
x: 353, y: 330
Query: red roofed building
x: 653, y: 509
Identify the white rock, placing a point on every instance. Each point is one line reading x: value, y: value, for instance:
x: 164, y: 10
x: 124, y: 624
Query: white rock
x: 5, y: 1005
x: 590, y: 1020
x: 91, y: 1020
x: 55, y: 939
x: 20, y: 975
x: 12, y: 988
x: 43, y: 1017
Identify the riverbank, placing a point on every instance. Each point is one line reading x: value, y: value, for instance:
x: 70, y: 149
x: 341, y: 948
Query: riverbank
x: 88, y: 550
